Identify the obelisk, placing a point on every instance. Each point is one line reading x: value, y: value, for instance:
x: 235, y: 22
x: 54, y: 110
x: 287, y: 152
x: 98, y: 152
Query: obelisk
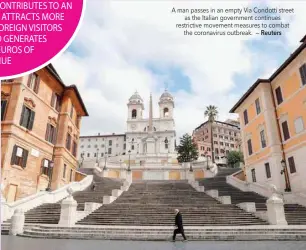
x: 150, y: 141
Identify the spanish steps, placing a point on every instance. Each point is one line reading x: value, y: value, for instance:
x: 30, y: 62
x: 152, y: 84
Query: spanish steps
x: 295, y: 214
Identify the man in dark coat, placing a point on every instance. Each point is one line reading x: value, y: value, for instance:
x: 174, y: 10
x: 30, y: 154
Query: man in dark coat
x: 179, y: 225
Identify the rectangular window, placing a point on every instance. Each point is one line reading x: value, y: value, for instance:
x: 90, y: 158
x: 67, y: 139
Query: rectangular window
x: 110, y: 151
x: 279, y: 96
x: 258, y: 110
x: 268, y: 170
x: 74, y: 149
x: 68, y: 141
x: 110, y: 143
x: 3, y: 108
x: 56, y: 101
x: 217, y: 151
x: 245, y: 116
x: 71, y: 172
x: 27, y: 118
x: 50, y: 134
x: 303, y: 74
x: 33, y: 82
x: 263, y: 139
x: 291, y: 165
x: 45, y: 167
x: 250, y: 149
x: 19, y: 156
x: 285, y: 128
x: 124, y: 146
x: 64, y: 171
x: 88, y: 155
x: 299, y: 125
x: 253, y: 175
x: 215, y: 142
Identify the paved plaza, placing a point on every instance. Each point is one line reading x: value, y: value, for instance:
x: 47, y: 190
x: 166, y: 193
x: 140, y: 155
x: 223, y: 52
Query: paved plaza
x: 13, y: 243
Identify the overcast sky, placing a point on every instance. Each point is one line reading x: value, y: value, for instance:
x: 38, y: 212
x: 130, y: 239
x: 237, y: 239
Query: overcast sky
x: 124, y: 46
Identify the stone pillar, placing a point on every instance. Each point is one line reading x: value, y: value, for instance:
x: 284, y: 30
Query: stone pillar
x: 68, y: 212
x: 275, y: 210
x: 17, y: 223
x: 105, y: 173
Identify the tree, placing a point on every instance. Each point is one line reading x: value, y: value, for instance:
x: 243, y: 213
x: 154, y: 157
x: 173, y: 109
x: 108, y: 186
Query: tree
x: 211, y: 112
x: 234, y: 158
x: 187, y: 150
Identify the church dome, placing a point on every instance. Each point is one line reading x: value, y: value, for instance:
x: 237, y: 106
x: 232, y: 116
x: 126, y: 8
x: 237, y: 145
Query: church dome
x: 136, y: 98
x: 166, y: 96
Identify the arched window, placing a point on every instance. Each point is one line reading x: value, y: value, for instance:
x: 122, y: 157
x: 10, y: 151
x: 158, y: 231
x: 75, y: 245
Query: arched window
x: 166, y: 143
x: 134, y: 114
x: 166, y: 112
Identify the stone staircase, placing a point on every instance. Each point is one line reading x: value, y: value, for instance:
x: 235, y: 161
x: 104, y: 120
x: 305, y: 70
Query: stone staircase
x: 49, y: 213
x: 295, y: 214
x: 152, y: 203
x: 163, y: 233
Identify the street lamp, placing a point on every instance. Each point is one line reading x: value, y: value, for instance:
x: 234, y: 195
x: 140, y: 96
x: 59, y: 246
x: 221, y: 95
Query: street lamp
x: 285, y: 172
x: 129, y: 166
x: 82, y: 160
x: 166, y: 143
x: 105, y: 154
x: 97, y: 159
x: 50, y: 172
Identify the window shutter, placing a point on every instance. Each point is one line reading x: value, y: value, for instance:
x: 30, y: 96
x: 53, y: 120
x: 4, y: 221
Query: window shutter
x: 3, y: 108
x: 37, y: 82
x: 24, y: 158
x: 42, y: 166
x: 52, y: 99
x: 22, y: 115
x: 29, y: 80
x: 303, y: 74
x: 32, y: 117
x: 47, y: 132
x: 58, y: 103
x: 54, y: 136
x: 13, y: 159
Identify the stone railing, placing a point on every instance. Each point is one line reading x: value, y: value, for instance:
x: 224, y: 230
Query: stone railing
x: 30, y: 202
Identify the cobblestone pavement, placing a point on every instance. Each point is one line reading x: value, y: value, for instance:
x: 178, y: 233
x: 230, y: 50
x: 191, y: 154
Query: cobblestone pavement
x: 19, y: 243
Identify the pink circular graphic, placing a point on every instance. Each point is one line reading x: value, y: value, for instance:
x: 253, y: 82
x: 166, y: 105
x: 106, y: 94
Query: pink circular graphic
x: 33, y: 32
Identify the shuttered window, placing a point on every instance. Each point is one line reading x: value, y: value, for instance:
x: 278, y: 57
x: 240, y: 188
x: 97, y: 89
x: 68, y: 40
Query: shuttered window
x: 45, y: 167
x: 3, y: 108
x: 245, y: 116
x: 291, y: 165
x: 263, y: 139
x: 27, y: 118
x: 253, y: 175
x: 68, y: 141
x: 268, y: 170
x: 250, y: 149
x: 74, y: 149
x: 257, y: 104
x: 279, y: 95
x: 51, y: 134
x: 19, y: 156
x: 33, y: 82
x: 303, y: 73
x: 56, y: 101
x: 285, y: 128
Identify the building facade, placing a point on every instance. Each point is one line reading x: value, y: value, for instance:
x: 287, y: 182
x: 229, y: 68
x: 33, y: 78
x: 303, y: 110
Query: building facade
x: 138, y: 127
x: 94, y: 148
x: 226, y: 137
x: 40, y: 127
x: 273, y: 116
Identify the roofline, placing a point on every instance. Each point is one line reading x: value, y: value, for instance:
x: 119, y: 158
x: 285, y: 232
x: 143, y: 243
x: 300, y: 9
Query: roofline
x: 249, y: 91
x: 94, y: 136
x: 54, y: 73
x: 274, y: 75
x: 226, y: 123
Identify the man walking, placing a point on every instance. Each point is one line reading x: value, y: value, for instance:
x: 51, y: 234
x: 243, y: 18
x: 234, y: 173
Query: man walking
x: 179, y: 225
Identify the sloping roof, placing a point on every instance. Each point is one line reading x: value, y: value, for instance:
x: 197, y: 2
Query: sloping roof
x: 273, y: 76
x: 54, y: 73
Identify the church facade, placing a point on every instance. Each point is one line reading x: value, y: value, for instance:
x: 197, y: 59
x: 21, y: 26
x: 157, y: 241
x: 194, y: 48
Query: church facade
x: 152, y: 135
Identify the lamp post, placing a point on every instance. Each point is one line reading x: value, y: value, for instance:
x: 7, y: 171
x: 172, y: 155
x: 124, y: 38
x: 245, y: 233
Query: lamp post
x: 166, y: 143
x: 97, y: 159
x: 50, y: 172
x: 82, y: 160
x: 129, y: 166
x: 285, y: 172
x: 105, y: 155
